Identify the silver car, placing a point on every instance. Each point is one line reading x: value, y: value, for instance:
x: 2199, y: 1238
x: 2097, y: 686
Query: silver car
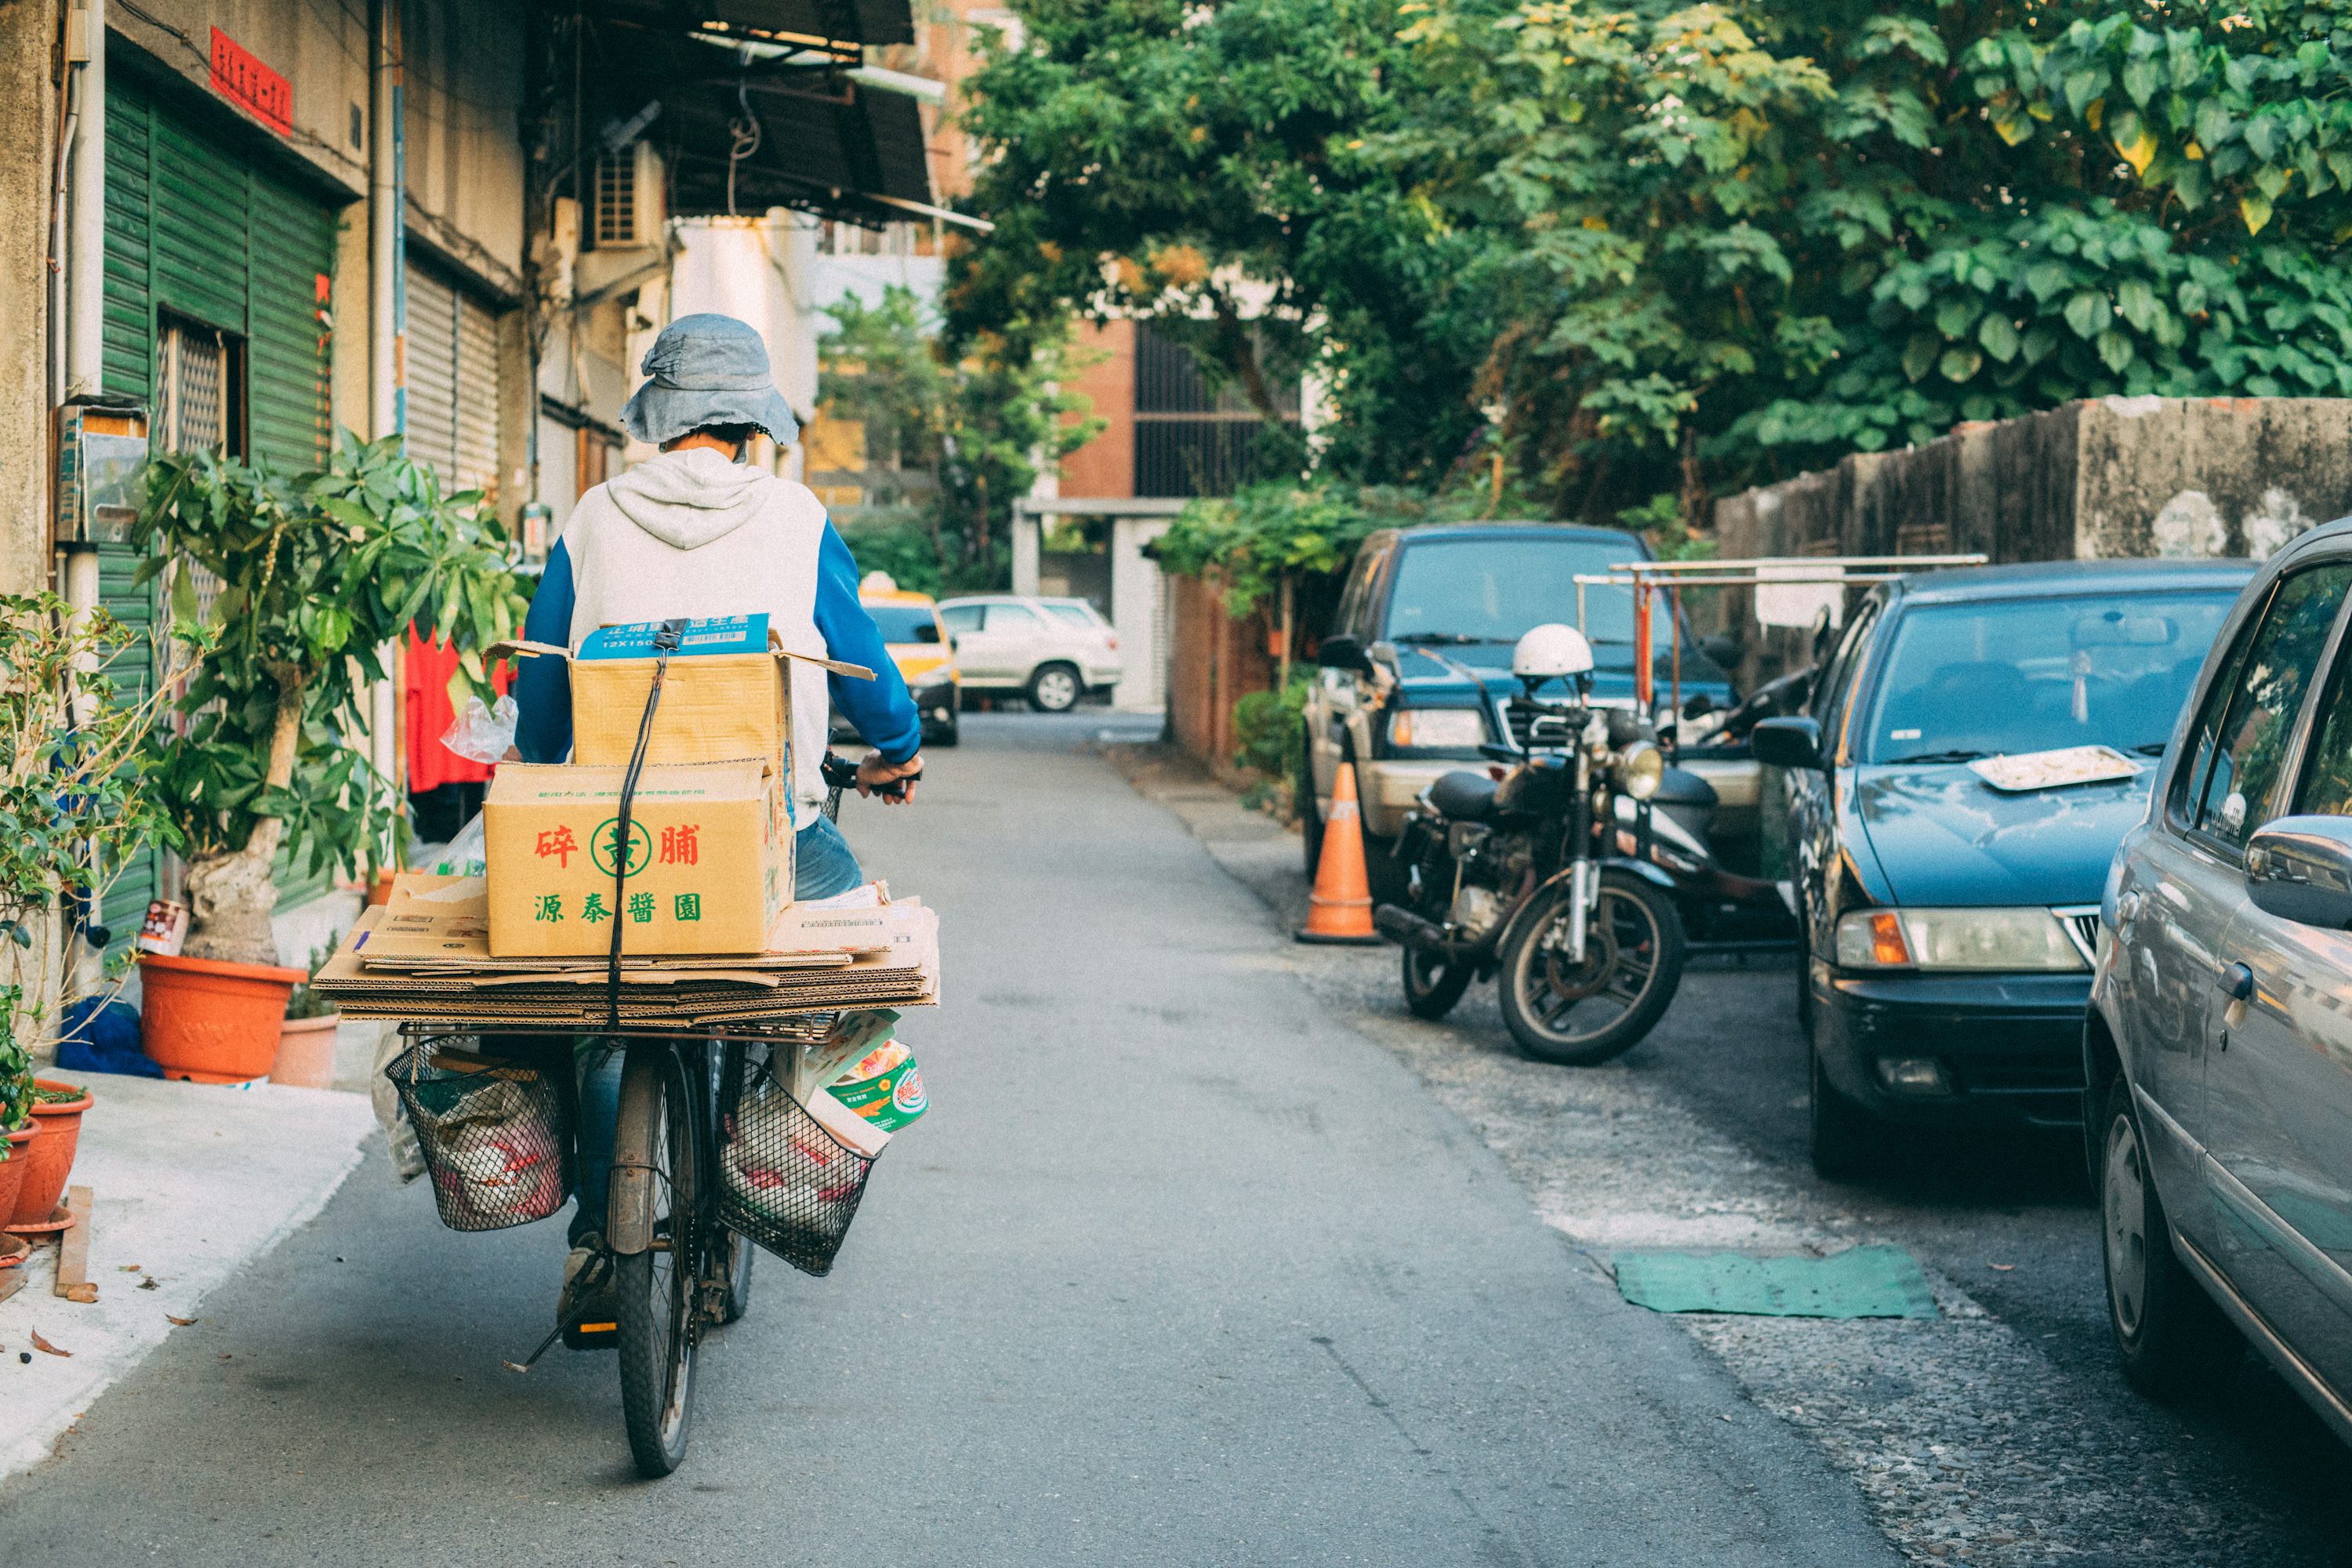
x: 2219, y: 1045
x: 1053, y: 651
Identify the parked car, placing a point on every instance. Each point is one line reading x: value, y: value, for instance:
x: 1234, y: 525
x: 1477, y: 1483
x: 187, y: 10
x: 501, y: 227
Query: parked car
x: 1053, y: 651
x: 1439, y: 607
x: 1946, y: 924
x: 2217, y: 1058
x: 924, y: 651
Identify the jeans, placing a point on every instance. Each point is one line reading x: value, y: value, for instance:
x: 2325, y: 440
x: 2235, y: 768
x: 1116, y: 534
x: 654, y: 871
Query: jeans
x: 822, y: 866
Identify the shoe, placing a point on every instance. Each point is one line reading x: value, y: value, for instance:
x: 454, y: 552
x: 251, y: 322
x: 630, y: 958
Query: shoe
x: 587, y: 1295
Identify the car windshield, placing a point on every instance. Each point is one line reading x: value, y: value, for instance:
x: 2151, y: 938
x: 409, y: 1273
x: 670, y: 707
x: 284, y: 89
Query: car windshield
x: 1482, y: 594
x: 1077, y: 614
x: 2033, y: 674
x: 905, y: 622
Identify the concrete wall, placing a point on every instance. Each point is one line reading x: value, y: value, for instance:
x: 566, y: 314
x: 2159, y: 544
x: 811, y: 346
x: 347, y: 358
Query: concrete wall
x: 2113, y: 477
x: 28, y: 108
x: 2118, y: 477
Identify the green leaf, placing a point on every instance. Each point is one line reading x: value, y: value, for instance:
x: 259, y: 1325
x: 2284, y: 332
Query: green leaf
x: 2088, y: 312
x: 1920, y: 354
x: 1959, y: 363
x: 2046, y: 279
x: 1956, y: 315
x: 2140, y: 80
x: 2116, y: 350
x: 2256, y: 211
x: 1999, y: 337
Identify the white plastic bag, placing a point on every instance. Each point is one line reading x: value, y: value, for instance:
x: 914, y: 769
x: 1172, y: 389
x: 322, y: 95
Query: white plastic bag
x: 464, y: 856
x: 481, y: 733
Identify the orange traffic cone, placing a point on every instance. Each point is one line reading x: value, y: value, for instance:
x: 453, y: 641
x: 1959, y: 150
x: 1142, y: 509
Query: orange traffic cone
x: 1339, y: 909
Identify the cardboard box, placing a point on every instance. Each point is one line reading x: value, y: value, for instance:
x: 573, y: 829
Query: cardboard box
x: 710, y: 858
x: 715, y: 707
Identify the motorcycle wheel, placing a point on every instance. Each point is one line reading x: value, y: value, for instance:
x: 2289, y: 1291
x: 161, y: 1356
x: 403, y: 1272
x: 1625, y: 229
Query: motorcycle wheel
x: 1581, y: 1015
x: 1434, y: 981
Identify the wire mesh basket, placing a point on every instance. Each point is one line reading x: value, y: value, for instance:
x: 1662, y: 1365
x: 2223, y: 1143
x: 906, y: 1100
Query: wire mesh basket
x: 786, y: 1183
x: 496, y: 1130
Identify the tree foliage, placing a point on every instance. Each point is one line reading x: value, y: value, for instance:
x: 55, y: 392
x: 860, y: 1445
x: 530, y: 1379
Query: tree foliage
x: 1659, y: 246
x: 952, y: 439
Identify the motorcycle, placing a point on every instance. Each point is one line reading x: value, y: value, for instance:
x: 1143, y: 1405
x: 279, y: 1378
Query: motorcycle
x: 1561, y: 877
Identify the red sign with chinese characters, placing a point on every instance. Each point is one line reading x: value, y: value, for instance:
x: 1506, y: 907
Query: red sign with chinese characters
x: 245, y: 81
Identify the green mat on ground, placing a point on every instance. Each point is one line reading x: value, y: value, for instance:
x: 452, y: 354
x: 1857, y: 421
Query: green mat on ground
x: 1860, y: 1282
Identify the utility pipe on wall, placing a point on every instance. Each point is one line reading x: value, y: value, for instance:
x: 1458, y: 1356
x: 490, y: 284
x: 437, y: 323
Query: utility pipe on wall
x: 86, y: 231
x: 387, y: 321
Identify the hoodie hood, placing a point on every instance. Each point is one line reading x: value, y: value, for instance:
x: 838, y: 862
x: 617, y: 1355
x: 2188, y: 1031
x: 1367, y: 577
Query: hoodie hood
x: 687, y: 498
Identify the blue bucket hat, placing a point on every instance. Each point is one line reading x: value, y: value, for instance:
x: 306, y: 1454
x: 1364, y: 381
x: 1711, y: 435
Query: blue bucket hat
x: 707, y: 369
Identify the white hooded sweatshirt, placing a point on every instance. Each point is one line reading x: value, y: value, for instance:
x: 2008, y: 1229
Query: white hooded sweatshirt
x: 690, y: 533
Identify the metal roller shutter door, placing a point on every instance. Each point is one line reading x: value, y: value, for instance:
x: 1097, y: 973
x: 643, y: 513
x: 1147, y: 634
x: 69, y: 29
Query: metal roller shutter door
x: 453, y: 382
x: 194, y: 229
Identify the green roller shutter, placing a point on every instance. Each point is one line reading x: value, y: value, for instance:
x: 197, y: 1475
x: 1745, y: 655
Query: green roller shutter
x: 197, y: 231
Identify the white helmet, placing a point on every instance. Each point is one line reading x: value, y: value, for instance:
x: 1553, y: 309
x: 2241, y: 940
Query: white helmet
x: 1551, y: 652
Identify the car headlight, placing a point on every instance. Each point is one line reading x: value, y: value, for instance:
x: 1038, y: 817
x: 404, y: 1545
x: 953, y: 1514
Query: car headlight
x: 1640, y: 769
x: 1993, y: 938
x: 1429, y: 729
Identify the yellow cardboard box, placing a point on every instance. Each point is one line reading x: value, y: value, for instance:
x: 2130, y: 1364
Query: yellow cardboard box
x: 714, y: 708
x: 710, y: 858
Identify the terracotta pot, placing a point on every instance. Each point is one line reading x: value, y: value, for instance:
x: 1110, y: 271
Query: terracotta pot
x: 211, y: 1022
x: 48, y: 1158
x: 305, y: 1053
x: 12, y: 1174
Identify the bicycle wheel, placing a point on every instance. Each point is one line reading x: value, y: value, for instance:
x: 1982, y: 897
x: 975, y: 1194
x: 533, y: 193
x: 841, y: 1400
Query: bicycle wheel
x: 731, y: 1263
x: 654, y: 1166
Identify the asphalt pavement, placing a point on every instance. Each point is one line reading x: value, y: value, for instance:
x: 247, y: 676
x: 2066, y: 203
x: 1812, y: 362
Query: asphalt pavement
x: 2000, y: 1433
x: 1184, y: 1266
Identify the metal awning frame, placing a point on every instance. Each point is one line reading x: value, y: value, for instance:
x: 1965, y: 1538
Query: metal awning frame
x: 1646, y: 577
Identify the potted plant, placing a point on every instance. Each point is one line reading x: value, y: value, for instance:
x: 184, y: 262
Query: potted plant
x: 305, y: 1041
x: 321, y: 573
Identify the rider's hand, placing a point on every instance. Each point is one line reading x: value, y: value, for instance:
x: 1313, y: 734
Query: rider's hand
x: 874, y: 771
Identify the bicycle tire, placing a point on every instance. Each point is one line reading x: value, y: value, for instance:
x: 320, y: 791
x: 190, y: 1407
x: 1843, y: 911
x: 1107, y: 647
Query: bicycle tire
x: 658, y: 1319
x: 740, y: 1255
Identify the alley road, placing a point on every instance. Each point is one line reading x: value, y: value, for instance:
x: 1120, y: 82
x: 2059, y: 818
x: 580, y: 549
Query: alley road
x: 2000, y: 1433
x: 1181, y: 1268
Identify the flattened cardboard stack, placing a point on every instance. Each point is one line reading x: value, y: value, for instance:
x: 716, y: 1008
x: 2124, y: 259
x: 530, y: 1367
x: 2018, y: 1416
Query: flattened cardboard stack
x: 425, y: 956
x: 706, y: 871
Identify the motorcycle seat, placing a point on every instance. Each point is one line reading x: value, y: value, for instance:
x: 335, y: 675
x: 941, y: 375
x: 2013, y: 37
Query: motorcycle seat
x: 1463, y: 796
x: 1683, y: 787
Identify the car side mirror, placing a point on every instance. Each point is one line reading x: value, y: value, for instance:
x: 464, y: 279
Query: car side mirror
x: 2300, y: 869
x: 1787, y: 742
x: 1342, y: 650
x: 1721, y: 651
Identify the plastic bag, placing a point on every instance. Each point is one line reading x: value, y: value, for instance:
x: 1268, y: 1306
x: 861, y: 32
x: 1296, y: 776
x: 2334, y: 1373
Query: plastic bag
x: 481, y: 733
x: 464, y: 856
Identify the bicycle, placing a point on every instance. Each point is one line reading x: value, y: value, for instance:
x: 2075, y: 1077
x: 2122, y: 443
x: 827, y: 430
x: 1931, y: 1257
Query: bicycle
x: 680, y: 1264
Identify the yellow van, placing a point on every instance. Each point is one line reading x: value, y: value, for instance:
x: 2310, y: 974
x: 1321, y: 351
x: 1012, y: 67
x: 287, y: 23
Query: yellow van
x: 921, y: 648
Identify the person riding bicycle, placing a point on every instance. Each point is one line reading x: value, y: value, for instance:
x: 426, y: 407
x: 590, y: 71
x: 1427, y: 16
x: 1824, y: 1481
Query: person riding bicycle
x: 698, y: 532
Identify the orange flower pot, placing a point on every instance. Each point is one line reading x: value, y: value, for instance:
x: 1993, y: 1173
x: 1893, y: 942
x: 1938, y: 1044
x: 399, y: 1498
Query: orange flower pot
x: 12, y: 1174
x: 305, y: 1053
x: 211, y: 1022
x: 48, y: 1158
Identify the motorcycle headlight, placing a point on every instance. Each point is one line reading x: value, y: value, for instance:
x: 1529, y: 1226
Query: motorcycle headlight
x: 1640, y: 769
x: 2011, y: 940
x: 1433, y: 728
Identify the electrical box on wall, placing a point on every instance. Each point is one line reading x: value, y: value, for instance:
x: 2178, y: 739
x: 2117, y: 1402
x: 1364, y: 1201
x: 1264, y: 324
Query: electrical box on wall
x: 101, y: 453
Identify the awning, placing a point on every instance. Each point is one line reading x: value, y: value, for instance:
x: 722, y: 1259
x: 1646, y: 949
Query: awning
x: 811, y: 22
x: 797, y: 131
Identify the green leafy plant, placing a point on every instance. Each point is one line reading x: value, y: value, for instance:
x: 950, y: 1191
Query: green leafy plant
x: 1272, y: 729
x: 318, y: 573
x: 15, y: 1066
x: 78, y: 797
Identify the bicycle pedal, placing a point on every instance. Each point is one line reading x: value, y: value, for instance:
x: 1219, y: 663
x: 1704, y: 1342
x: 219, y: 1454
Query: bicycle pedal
x: 592, y: 1336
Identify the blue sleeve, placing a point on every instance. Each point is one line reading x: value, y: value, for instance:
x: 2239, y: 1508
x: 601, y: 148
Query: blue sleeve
x: 881, y: 709
x: 543, y: 686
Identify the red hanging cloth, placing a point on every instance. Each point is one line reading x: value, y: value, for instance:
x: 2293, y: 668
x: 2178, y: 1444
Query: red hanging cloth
x: 428, y: 669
